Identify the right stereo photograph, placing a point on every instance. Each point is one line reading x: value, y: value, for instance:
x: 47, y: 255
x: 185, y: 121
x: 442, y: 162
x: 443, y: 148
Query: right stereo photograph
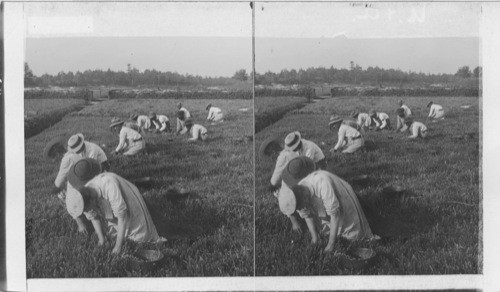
x: 367, y: 139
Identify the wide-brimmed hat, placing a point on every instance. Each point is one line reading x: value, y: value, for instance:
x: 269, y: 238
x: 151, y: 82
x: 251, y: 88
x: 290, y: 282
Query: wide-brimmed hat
x: 400, y: 111
x: 77, y: 200
x: 133, y: 116
x: 83, y: 171
x: 115, y: 122
x: 287, y: 200
x: 208, y: 106
x: 180, y: 114
x: 292, y: 140
x: 334, y: 119
x: 297, y: 169
x: 354, y: 114
x: 151, y: 115
x: 268, y: 144
x: 372, y: 112
x: 75, y: 143
x: 58, y: 143
x: 188, y: 122
x: 429, y: 104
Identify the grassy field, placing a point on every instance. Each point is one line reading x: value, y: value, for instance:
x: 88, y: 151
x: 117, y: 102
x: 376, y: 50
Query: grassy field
x: 209, y: 235
x: 269, y: 109
x: 433, y: 228
x: 40, y: 114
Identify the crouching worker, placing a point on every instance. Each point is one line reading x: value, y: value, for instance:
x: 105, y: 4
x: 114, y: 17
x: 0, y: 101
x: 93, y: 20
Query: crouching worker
x: 214, y: 114
x: 323, y: 200
x: 302, y: 147
x: 436, y: 112
x: 198, y: 132
x: 161, y: 123
x: 381, y: 120
x: 350, y: 140
x: 417, y: 129
x: 131, y: 141
x: 112, y: 197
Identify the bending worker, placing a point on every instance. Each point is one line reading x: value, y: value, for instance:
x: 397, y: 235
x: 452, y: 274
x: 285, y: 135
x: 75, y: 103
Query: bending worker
x: 114, y: 198
x: 161, y: 122
x: 402, y: 112
x: 130, y: 142
x: 363, y: 119
x: 303, y: 147
x: 214, y: 114
x: 381, y: 120
x: 320, y: 197
x: 143, y: 122
x: 198, y: 132
x: 417, y: 129
x: 182, y: 115
x: 436, y: 111
x: 349, y: 140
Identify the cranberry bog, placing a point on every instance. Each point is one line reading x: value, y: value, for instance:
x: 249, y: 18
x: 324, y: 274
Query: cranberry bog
x: 430, y: 222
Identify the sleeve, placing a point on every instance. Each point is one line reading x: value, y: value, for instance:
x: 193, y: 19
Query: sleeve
x: 360, y: 120
x: 123, y: 137
x: 327, y: 195
x: 211, y: 113
x: 368, y: 121
x: 63, y: 171
x: 341, y: 137
x: 278, y: 170
x: 115, y: 198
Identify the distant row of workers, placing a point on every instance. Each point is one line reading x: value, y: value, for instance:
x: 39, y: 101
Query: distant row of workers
x: 130, y: 132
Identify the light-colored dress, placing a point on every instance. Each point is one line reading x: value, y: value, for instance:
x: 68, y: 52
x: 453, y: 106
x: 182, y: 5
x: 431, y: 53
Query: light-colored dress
x: 331, y: 195
x: 418, y: 129
x: 198, y: 132
x: 311, y: 150
x: 436, y: 112
x: 349, y: 139
x: 215, y: 114
x: 119, y: 197
x: 131, y: 142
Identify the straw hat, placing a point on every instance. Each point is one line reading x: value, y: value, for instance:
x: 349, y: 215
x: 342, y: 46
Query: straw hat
x: 334, y: 119
x: 267, y: 145
x: 372, y: 112
x: 75, y: 203
x: 287, y: 200
x: 56, y: 143
x: 297, y: 169
x: 75, y: 143
x: 429, y: 104
x: 134, y: 116
x: 115, y: 122
x: 83, y: 171
x: 208, y: 106
x: 292, y: 141
x: 151, y: 115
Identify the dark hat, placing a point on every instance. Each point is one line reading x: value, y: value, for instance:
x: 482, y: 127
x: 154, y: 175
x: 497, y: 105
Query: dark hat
x: 269, y: 143
x: 75, y: 143
x: 354, y: 114
x: 429, y: 104
x: 208, y: 106
x: 134, y: 116
x: 54, y: 145
x: 409, y: 121
x: 297, y: 169
x: 400, y: 112
x: 83, y: 171
x: 292, y: 141
x: 180, y: 114
x: 115, y: 122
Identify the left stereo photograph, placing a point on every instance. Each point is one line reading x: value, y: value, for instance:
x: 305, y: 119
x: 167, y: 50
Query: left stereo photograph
x: 139, y: 126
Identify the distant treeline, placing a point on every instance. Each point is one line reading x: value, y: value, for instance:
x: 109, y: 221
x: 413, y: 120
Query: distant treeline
x: 371, y: 75
x: 240, y: 94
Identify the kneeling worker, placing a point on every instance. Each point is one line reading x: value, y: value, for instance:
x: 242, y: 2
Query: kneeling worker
x: 349, y: 140
x: 214, y: 114
x: 417, y: 129
x: 198, y: 132
x: 131, y: 141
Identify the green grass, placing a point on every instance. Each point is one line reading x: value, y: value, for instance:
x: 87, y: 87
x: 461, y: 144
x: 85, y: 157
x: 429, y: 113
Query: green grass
x: 208, y: 236
x: 269, y: 109
x: 433, y: 229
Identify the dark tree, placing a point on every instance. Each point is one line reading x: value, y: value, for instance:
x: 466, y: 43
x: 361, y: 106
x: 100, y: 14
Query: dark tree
x: 241, y: 75
x: 464, y: 72
x: 29, y: 78
x: 478, y: 72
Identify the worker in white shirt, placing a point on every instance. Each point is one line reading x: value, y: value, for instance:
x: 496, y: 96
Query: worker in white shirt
x: 214, y: 114
x: 381, y: 120
x: 303, y: 147
x: 113, y: 198
x: 130, y: 142
x: 182, y: 115
x: 198, y: 132
x: 363, y: 119
x: 349, y: 140
x: 417, y: 129
x: 143, y: 122
x: 436, y: 111
x: 402, y: 112
x: 161, y: 122
x: 320, y: 197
